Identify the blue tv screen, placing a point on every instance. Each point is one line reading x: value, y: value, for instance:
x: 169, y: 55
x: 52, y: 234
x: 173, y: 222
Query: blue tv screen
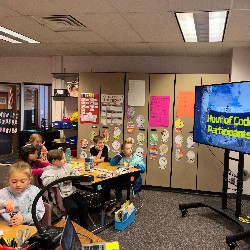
x: 222, y: 116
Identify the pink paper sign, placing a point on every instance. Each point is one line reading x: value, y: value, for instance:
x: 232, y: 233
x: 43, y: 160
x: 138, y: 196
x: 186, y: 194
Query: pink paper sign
x: 159, y: 111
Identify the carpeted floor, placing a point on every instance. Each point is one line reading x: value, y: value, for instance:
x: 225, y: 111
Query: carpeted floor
x: 160, y: 226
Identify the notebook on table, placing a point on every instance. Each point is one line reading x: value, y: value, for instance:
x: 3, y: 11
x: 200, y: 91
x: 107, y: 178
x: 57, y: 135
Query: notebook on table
x: 71, y: 241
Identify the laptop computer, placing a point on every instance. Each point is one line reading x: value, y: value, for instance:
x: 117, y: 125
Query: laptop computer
x: 71, y: 241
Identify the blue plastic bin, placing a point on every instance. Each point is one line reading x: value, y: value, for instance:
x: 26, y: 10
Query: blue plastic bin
x: 122, y: 225
x: 66, y: 124
x: 57, y: 124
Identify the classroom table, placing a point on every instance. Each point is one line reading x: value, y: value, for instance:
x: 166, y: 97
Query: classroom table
x: 10, y: 232
x: 99, y: 185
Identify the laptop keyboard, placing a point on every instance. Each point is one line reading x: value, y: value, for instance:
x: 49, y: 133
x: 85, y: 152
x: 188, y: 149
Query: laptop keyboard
x: 94, y: 246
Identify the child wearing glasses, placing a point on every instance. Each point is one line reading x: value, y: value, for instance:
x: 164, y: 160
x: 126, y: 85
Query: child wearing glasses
x: 19, y: 196
x: 75, y: 204
x: 127, y: 159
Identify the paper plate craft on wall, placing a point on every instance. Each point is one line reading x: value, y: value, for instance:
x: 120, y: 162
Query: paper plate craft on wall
x: 130, y: 140
x: 130, y: 127
x: 164, y: 135
x: 116, y: 145
x: 153, y: 152
x: 83, y: 154
x: 140, y: 151
x: 190, y: 142
x: 163, y: 150
x: 178, y: 141
x: 130, y: 112
x: 140, y: 121
x: 178, y: 154
x: 106, y: 135
x: 190, y: 156
x: 153, y: 139
x: 84, y: 143
x: 140, y: 138
x: 92, y: 134
x: 163, y: 163
x: 116, y: 132
x: 179, y: 124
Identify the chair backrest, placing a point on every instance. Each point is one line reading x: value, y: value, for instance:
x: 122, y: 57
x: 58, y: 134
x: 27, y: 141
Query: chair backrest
x: 46, y: 220
x: 58, y: 198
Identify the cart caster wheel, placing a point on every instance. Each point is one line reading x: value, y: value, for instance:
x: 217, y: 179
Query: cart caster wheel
x: 232, y: 245
x: 184, y: 212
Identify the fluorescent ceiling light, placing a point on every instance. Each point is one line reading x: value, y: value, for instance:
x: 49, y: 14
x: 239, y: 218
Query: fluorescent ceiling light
x: 14, y: 37
x: 203, y: 26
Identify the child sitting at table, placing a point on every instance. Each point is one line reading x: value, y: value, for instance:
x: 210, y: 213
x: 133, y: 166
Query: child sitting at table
x: 18, y: 197
x: 75, y: 204
x: 127, y: 159
x: 99, y: 151
x: 37, y: 141
x: 28, y: 153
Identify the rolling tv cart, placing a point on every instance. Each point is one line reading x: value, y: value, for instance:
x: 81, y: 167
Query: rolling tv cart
x: 221, y: 208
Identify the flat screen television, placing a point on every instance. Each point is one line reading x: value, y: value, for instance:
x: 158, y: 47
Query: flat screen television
x: 222, y: 116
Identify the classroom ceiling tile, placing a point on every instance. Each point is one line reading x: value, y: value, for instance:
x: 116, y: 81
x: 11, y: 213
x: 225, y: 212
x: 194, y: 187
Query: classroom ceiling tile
x: 154, y: 27
x: 145, y: 6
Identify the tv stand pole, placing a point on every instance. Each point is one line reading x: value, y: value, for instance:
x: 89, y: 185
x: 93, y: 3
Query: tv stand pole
x: 222, y: 209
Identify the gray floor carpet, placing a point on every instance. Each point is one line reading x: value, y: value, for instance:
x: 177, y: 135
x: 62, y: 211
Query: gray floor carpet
x: 160, y: 226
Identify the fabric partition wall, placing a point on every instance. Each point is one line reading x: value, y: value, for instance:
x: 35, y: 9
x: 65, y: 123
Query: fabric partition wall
x: 211, y: 159
x: 106, y: 83
x: 137, y: 117
x: 160, y: 138
x: 184, y: 164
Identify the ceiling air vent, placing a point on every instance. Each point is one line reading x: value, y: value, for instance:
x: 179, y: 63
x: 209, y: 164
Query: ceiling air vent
x: 60, y: 23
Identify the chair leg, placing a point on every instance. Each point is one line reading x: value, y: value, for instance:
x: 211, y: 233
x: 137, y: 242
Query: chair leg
x: 92, y: 220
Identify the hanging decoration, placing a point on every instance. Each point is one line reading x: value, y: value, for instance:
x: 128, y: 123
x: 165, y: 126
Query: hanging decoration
x: 89, y: 108
x: 140, y: 138
x: 178, y: 154
x: 190, y: 141
x: 190, y: 156
x: 130, y: 127
x: 178, y: 141
x: 92, y: 134
x: 153, y: 152
x: 116, y: 132
x: 116, y: 145
x: 84, y: 143
x: 153, y: 139
x: 140, y: 151
x: 140, y: 121
x: 130, y: 140
x: 106, y: 135
x: 164, y: 135
x: 163, y: 163
x: 130, y: 112
x: 163, y: 150
x: 179, y: 124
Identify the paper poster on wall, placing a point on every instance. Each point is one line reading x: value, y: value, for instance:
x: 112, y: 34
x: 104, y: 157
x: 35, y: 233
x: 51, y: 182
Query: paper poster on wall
x: 190, y: 141
x: 163, y: 163
x: 112, y: 109
x: 179, y: 124
x: 185, y: 104
x: 136, y: 93
x: 116, y: 132
x: 89, y: 108
x: 164, y: 135
x: 190, y: 156
x: 140, y: 151
x: 159, y: 111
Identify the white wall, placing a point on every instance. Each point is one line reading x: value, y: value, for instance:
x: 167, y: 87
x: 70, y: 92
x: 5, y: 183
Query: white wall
x: 241, y: 72
x: 26, y: 69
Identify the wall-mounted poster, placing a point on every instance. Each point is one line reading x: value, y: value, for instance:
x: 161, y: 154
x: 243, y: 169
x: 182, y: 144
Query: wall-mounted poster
x: 112, y: 109
x: 185, y: 104
x: 159, y: 111
x: 136, y: 93
x: 89, y: 108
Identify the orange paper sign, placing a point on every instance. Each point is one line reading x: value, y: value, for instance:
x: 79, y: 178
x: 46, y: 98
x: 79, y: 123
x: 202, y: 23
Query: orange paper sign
x: 185, y: 104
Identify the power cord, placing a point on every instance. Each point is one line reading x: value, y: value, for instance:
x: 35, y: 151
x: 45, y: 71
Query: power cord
x: 86, y: 236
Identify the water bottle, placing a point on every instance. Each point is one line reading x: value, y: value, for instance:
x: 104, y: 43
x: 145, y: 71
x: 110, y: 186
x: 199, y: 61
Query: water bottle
x: 68, y: 154
x: 91, y: 162
x: 87, y: 164
x: 44, y: 154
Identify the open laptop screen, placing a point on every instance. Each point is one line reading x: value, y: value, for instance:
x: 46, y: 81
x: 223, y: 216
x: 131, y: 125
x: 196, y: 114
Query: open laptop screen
x: 70, y: 239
